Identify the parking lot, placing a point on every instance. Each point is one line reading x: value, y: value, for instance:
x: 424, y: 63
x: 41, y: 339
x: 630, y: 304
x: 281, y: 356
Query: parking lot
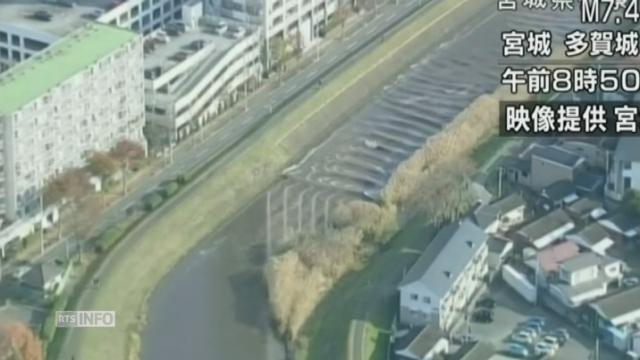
x: 511, y: 310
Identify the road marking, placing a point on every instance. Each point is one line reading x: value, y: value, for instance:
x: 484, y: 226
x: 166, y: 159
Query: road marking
x: 391, y: 53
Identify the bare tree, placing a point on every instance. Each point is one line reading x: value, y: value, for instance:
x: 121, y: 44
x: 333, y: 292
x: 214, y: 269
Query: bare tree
x: 71, y: 185
x: 102, y: 165
x: 24, y: 342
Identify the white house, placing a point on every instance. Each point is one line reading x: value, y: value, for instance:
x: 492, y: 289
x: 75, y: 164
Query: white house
x: 502, y: 214
x: 624, y: 168
x: 420, y: 343
x: 547, y: 229
x: 443, y: 280
x: 584, y: 278
x: 618, y: 316
x: 593, y: 237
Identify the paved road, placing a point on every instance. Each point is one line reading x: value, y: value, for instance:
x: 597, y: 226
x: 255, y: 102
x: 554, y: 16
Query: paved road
x: 296, y: 87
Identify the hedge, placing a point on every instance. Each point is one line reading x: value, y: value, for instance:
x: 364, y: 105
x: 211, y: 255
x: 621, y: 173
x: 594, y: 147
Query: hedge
x: 169, y: 189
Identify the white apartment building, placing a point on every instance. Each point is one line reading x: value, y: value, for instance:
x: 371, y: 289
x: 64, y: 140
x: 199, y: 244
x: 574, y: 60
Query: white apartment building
x: 191, y: 70
x: 82, y: 94
x: 624, y: 168
x: 29, y: 26
x: 439, y: 286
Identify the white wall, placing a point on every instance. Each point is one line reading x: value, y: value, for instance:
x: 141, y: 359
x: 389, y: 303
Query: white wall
x: 519, y: 283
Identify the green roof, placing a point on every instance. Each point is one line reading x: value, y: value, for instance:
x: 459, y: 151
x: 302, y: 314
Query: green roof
x: 77, y: 51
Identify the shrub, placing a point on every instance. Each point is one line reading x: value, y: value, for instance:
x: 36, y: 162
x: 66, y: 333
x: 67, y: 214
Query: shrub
x: 169, y: 189
x: 152, y: 201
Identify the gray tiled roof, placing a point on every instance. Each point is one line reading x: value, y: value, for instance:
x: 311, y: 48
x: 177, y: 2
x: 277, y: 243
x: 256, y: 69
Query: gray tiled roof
x: 556, y: 154
x: 479, y: 350
x: 559, y: 190
x: 545, y: 224
x: 420, y: 341
x: 581, y: 261
x: 592, y: 233
x: 584, y: 206
x: 619, y: 304
x: 446, y: 256
x: 487, y: 214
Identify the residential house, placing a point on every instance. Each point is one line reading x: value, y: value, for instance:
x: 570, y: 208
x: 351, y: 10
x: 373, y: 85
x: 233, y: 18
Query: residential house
x: 420, y: 343
x: 584, y: 278
x: 548, y: 260
x: 501, y: 215
x: 593, y: 237
x: 585, y: 210
x: 592, y: 149
x: 499, y: 249
x: 439, y: 286
x: 617, y: 317
x: 558, y: 194
x: 542, y: 165
x: 546, y: 229
x: 50, y: 277
x: 624, y: 168
x: 622, y: 225
x: 478, y: 350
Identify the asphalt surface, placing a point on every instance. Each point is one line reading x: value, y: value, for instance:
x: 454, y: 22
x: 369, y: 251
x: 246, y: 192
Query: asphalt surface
x: 261, y: 106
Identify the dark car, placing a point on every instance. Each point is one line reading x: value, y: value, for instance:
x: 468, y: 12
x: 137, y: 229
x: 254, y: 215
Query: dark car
x: 486, y: 302
x: 482, y: 316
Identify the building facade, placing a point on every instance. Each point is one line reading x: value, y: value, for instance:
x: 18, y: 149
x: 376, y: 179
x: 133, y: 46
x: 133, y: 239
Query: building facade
x: 439, y: 286
x: 83, y: 94
x: 624, y: 168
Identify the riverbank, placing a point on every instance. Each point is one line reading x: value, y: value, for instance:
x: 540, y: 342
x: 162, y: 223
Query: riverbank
x: 153, y: 249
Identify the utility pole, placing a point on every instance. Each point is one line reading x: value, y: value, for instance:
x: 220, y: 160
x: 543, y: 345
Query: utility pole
x: 317, y: 27
x: 326, y: 213
x: 300, y: 198
x: 284, y: 214
x: 499, y: 182
x: 268, y: 224
x: 41, y: 189
x: 125, y: 168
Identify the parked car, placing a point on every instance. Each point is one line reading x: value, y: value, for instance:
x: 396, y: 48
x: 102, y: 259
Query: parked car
x: 537, y: 320
x: 486, y: 302
x: 630, y: 281
x: 522, y: 338
x: 551, y: 341
x: 562, y: 335
x: 542, y: 349
x: 482, y: 316
x: 537, y: 328
x: 530, y: 331
x: 516, y: 350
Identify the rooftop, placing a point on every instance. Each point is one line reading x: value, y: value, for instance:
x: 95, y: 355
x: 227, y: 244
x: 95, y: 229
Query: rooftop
x: 559, y: 190
x: 174, y: 45
x: 551, y: 257
x: 446, y: 256
x: 546, y: 224
x: 478, y: 350
x: 554, y: 153
x: 584, y: 287
x: 619, y: 304
x: 66, y: 15
x: 420, y: 341
x: 585, y: 260
x: 628, y: 149
x: 487, y: 214
x: 584, y: 206
x: 592, y: 234
x: 34, y: 77
x: 621, y: 222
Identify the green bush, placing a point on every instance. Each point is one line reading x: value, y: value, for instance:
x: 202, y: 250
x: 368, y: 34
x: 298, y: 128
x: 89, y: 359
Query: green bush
x: 49, y: 326
x: 109, y: 238
x: 152, y: 201
x: 169, y: 189
x: 186, y: 177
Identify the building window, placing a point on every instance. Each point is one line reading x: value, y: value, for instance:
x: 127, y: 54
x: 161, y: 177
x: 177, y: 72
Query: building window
x: 145, y: 5
x: 15, y: 40
x: 156, y: 14
x: 16, y: 55
x: 4, y: 53
x: 166, y: 8
x: 135, y: 11
x: 627, y: 183
x: 34, y: 45
x: 414, y: 297
x: 4, y: 37
x: 177, y: 3
x: 426, y: 300
x: 627, y: 165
